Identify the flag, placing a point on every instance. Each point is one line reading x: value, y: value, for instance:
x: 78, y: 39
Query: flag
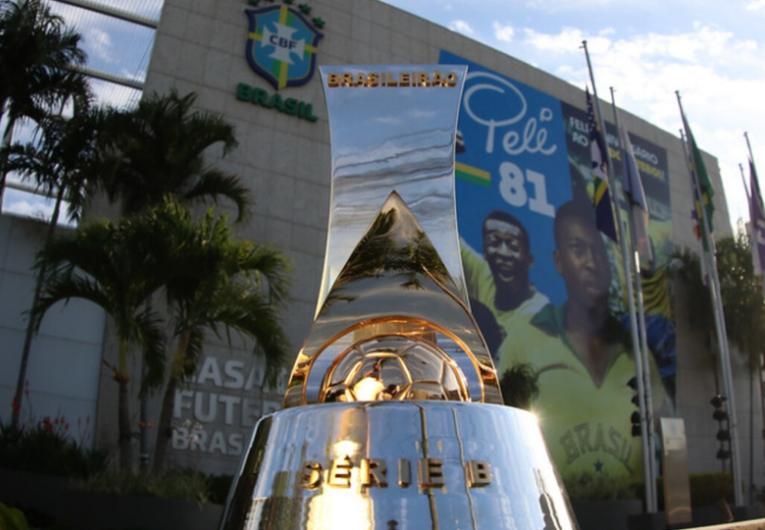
x: 757, y: 219
x: 696, y: 215
x: 700, y: 170
x: 604, y: 214
x: 638, y: 205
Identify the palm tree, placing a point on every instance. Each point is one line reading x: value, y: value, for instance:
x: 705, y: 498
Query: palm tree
x: 36, y: 52
x: 740, y: 289
x: 743, y: 305
x: 219, y: 283
x: 159, y: 148
x: 519, y: 386
x: 59, y: 157
x: 115, y: 267
x: 57, y: 161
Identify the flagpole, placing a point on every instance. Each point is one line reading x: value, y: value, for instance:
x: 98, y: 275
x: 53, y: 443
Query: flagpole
x: 753, y: 233
x: 722, y: 337
x: 743, y: 179
x: 650, y: 483
x: 750, y: 198
x: 755, y: 252
x: 710, y: 263
x: 749, y: 146
x: 646, y: 366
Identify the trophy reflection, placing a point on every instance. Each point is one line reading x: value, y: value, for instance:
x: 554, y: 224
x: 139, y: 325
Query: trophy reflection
x: 393, y: 417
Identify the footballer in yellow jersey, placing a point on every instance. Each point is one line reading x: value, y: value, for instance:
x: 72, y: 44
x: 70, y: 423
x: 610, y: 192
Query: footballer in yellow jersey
x: 501, y: 280
x: 582, y: 358
x: 586, y: 422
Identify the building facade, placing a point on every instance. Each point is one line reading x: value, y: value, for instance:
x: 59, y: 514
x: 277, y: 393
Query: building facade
x: 215, y: 48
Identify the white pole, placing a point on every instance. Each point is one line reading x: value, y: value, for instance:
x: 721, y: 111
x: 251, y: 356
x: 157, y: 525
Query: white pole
x: 743, y: 179
x: 749, y: 146
x: 722, y: 337
x: 752, y: 234
x: 643, y: 330
x: 650, y: 483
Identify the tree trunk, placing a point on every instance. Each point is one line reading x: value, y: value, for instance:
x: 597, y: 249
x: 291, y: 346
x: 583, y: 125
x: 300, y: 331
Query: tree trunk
x: 165, y: 428
x: 123, y: 409
x: 7, y: 136
x: 143, y: 425
x: 752, y: 438
x: 123, y: 414
x: 32, y: 320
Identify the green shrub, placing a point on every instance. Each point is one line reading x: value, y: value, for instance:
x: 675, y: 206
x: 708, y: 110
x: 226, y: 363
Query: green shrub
x: 708, y: 488
x: 596, y: 487
x: 12, y: 519
x: 218, y: 486
x: 185, y: 485
x: 46, y: 448
x: 519, y: 386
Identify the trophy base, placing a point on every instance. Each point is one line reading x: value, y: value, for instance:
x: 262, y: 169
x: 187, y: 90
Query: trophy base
x: 398, y: 465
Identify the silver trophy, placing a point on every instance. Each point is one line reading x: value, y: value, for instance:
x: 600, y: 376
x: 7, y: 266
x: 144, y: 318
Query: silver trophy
x: 393, y: 417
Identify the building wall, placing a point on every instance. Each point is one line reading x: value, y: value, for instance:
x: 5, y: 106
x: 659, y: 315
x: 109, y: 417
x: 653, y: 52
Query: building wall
x: 286, y: 162
x: 65, y: 357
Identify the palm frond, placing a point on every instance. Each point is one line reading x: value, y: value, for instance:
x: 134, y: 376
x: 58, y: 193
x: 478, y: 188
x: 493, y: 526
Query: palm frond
x: 64, y: 288
x: 150, y: 336
x: 213, y: 183
x: 159, y: 148
x: 36, y: 51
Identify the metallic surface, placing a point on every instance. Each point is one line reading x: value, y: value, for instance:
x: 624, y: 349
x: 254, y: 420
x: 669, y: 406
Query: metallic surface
x: 308, y: 468
x: 393, y: 266
x: 386, y: 139
x: 393, y: 416
x: 674, y: 461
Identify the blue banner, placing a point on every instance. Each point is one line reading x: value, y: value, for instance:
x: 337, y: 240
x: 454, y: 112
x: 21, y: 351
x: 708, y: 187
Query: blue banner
x: 514, y: 159
x: 547, y: 288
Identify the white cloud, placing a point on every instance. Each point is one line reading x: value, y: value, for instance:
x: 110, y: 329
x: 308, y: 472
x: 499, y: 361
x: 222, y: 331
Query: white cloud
x: 721, y: 80
x: 756, y: 5
x: 503, y: 33
x: 558, y: 5
x: 460, y: 26
x: 100, y: 44
x: 24, y: 204
x: 570, y: 39
x: 135, y: 76
x: 114, y: 95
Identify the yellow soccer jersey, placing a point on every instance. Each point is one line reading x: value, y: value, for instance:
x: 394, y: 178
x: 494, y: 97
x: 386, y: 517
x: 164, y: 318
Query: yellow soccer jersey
x: 587, y: 427
x: 481, y: 286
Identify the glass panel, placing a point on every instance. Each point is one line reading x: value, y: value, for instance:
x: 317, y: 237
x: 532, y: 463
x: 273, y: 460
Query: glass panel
x: 22, y: 203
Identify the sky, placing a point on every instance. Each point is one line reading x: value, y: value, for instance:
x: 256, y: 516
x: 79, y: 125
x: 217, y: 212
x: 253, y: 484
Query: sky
x: 712, y: 51
x: 111, y: 45
x: 714, y: 54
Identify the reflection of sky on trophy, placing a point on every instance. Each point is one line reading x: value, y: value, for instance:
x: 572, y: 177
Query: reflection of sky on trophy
x: 385, y: 139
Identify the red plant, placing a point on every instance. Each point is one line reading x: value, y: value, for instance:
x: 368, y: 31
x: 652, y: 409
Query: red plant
x: 59, y: 425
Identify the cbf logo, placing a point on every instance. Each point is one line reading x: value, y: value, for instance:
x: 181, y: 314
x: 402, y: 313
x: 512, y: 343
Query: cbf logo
x: 281, y: 44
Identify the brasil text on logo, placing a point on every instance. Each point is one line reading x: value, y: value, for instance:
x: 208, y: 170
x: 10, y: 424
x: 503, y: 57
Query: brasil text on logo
x: 281, y: 45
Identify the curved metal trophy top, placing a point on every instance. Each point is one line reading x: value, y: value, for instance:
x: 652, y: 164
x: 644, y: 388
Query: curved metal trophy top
x: 396, y: 135
x: 392, y: 320
x: 402, y: 428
